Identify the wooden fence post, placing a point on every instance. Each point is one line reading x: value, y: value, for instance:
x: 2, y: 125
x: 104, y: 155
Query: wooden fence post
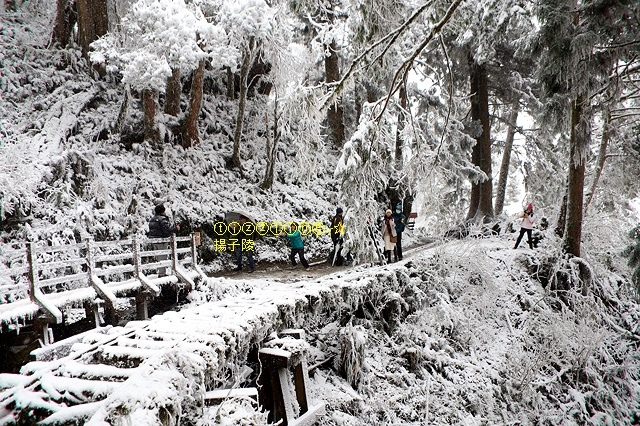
x: 142, y: 310
x: 51, y: 311
x: 194, y: 255
x: 174, y: 253
x: 33, y: 270
x: 101, y: 290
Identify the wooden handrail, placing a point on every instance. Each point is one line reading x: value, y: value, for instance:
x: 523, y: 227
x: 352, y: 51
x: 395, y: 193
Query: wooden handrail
x: 46, y: 266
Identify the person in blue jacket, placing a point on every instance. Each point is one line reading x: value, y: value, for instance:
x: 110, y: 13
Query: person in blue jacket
x: 400, y: 221
x: 297, y: 245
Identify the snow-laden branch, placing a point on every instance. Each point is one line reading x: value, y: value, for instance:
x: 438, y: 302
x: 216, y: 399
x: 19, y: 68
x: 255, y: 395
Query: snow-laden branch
x: 389, y: 39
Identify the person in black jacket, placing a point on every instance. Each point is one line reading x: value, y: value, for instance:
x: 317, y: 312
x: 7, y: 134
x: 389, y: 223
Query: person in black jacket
x: 160, y: 227
x: 337, y: 233
x: 400, y: 220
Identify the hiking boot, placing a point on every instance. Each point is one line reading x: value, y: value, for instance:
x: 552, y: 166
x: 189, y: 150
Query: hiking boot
x: 238, y: 269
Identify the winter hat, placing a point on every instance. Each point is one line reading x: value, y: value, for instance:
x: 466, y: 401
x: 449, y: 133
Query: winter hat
x: 388, y: 211
x: 339, y: 210
x: 159, y: 209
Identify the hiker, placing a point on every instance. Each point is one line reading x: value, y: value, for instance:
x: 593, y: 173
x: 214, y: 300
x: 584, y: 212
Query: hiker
x: 337, y: 231
x: 400, y: 221
x: 160, y: 227
x: 526, y: 226
x: 297, y: 245
x: 389, y: 234
x: 245, y: 244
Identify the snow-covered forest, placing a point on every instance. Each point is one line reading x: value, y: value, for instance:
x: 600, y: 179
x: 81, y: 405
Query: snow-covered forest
x: 464, y: 112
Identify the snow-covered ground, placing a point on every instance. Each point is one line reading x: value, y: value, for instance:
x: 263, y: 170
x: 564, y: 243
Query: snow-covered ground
x: 459, y: 333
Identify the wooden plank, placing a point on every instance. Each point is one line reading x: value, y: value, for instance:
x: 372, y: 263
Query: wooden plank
x: 300, y: 380
x: 283, y: 403
x: 183, y: 275
x: 296, y: 333
x: 153, y: 253
x: 219, y: 395
x: 103, y: 244
x: 57, y: 249
x: 310, y: 417
x: 51, y: 309
x: 62, y: 279
x: 103, y: 291
x: 78, y: 261
x: 118, y: 269
x: 149, y: 286
x: 14, y: 271
x: 113, y: 257
x: 273, y: 358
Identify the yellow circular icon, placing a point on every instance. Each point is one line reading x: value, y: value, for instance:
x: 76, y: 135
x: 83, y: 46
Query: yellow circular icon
x: 248, y: 228
x: 234, y: 228
x: 220, y: 229
x: 262, y: 228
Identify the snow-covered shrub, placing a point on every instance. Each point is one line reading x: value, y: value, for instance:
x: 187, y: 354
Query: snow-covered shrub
x: 351, y: 361
x: 633, y: 254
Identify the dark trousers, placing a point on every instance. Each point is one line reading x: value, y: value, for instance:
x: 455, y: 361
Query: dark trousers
x: 398, y: 250
x: 522, y: 231
x: 249, y: 254
x: 300, y: 253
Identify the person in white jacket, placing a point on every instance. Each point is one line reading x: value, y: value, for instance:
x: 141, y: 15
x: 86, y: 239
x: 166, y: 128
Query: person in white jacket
x: 526, y: 226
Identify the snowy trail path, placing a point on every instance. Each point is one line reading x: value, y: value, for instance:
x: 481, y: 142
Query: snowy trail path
x: 165, y: 364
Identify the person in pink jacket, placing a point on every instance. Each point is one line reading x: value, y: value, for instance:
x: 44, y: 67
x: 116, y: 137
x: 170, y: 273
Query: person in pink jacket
x: 526, y: 226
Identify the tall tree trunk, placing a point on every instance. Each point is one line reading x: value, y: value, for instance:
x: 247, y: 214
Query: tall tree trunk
x: 172, y: 97
x: 607, y: 132
x: 401, y: 123
x: 151, y: 131
x: 231, y: 90
x: 190, y: 135
x: 272, y: 148
x: 506, y: 159
x: 474, y: 198
x: 335, y: 113
x: 65, y: 21
x: 244, y: 72
x: 562, y: 214
x: 480, y: 112
x: 124, y: 110
x: 93, y: 22
x: 578, y: 144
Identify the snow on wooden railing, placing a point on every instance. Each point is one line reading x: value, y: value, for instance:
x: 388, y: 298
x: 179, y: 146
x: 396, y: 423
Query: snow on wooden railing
x: 39, y: 280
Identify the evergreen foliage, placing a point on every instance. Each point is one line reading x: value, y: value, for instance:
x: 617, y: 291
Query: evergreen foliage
x: 633, y: 253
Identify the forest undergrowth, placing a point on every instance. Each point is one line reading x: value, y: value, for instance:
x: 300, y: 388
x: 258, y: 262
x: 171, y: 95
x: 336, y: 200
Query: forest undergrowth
x: 477, y: 340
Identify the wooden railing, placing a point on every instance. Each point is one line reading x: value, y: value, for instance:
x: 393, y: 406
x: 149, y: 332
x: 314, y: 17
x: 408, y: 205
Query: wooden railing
x: 39, y: 280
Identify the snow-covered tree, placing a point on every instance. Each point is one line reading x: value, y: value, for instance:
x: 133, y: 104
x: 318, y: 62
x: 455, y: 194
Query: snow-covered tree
x: 251, y: 25
x: 581, y: 43
x: 155, y: 37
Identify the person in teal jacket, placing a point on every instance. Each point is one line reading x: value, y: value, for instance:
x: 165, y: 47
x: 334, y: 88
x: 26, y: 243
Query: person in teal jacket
x: 297, y: 245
